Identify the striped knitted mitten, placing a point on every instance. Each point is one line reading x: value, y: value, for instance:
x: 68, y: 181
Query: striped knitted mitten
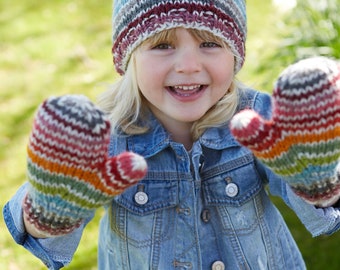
x: 69, y: 172
x: 302, y: 140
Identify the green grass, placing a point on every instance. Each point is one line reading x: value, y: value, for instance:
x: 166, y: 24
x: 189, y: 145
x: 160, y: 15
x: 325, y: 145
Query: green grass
x: 57, y: 47
x: 311, y: 28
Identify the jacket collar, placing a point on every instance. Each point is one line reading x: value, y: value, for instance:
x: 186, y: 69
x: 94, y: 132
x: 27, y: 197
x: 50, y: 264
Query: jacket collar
x: 217, y: 138
x: 152, y: 142
x: 157, y: 139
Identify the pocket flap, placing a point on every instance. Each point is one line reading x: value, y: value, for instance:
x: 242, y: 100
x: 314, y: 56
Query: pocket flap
x: 233, y: 187
x: 154, y: 195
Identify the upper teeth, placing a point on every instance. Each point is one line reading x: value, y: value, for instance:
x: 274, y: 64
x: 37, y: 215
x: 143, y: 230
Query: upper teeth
x: 186, y: 87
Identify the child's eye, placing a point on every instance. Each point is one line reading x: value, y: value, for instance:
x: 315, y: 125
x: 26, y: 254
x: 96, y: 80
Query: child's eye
x: 162, y: 46
x: 209, y: 44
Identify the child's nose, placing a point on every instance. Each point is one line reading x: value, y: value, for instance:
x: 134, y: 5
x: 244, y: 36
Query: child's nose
x: 188, y: 60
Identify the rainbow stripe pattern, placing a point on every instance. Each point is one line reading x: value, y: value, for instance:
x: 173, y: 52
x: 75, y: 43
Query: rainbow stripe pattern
x: 302, y: 140
x: 68, y: 169
x: 134, y: 21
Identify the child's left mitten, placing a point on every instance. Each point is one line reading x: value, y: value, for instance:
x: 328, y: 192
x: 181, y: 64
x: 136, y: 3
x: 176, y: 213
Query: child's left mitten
x: 302, y: 140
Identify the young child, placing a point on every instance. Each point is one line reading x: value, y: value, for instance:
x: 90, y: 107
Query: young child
x: 202, y: 204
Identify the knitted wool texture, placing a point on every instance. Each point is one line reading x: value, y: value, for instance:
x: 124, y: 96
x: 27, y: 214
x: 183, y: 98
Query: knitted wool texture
x: 134, y: 21
x: 69, y: 172
x: 302, y: 140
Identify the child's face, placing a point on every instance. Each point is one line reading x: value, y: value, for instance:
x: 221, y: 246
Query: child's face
x: 183, y: 77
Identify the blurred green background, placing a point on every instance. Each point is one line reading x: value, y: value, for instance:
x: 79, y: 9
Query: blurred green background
x: 58, y: 47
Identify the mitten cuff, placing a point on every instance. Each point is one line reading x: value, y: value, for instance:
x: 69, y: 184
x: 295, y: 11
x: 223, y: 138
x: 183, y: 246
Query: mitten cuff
x: 323, y: 194
x: 48, y: 223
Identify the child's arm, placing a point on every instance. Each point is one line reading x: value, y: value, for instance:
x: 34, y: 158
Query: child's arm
x: 54, y: 252
x: 69, y: 176
x: 31, y: 229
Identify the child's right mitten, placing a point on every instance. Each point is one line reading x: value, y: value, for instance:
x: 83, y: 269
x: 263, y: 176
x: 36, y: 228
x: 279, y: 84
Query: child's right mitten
x: 302, y: 140
x: 69, y: 171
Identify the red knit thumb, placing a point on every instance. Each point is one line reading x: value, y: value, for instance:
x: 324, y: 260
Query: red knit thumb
x: 251, y: 130
x: 123, y: 171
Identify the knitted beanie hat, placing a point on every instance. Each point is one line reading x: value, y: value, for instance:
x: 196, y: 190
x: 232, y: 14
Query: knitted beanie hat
x: 134, y: 21
x: 69, y: 171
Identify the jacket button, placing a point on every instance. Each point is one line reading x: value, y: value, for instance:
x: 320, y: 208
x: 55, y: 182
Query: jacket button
x: 141, y: 198
x: 231, y: 189
x: 205, y: 215
x: 218, y: 265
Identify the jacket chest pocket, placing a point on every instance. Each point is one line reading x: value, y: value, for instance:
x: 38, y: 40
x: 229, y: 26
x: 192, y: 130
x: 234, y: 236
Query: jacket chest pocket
x: 236, y: 197
x: 146, y: 212
x: 149, y: 196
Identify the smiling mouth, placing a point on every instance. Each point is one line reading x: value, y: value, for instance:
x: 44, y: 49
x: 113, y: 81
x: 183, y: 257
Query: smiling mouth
x: 186, y: 90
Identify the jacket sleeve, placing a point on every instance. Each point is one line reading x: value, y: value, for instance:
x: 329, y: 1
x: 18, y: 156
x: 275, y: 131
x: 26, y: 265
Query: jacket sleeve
x: 53, y: 252
x: 317, y: 221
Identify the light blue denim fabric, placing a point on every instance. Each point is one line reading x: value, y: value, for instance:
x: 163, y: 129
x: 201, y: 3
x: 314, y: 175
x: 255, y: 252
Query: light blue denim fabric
x: 195, y: 209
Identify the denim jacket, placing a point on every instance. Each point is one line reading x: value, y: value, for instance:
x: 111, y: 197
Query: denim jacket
x: 207, y: 209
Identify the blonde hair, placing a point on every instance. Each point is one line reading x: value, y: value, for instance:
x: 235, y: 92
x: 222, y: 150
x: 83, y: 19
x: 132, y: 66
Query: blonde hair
x: 128, y: 111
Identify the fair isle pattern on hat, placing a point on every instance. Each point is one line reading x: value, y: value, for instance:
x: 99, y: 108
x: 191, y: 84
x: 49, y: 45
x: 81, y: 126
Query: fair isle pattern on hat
x: 134, y: 21
x: 302, y: 140
x: 69, y: 172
